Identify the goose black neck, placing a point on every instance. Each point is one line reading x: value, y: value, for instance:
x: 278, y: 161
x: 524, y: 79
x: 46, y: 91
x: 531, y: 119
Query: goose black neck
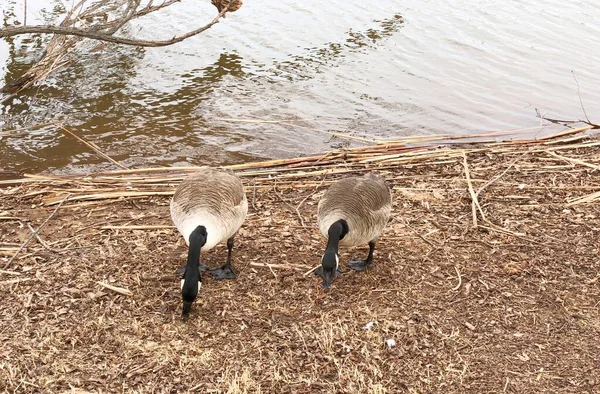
x: 337, y: 231
x: 192, y: 272
x: 197, y: 241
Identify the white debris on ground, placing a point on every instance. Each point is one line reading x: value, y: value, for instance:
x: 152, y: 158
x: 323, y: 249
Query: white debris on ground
x: 391, y: 343
x: 369, y: 325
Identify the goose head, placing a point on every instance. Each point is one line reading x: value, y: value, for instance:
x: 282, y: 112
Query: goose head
x: 331, y: 260
x: 330, y: 263
x: 189, y: 292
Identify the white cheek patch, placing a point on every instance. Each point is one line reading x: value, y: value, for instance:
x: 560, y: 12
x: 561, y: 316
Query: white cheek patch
x: 183, y: 281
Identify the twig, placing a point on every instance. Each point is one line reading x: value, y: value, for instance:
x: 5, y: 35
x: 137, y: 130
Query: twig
x: 91, y: 145
x: 116, y: 289
x: 10, y: 272
x: 20, y: 129
x: 474, y: 200
x: 565, y: 122
x: 494, y: 179
x: 13, y: 281
x: 286, y: 123
x: 580, y: 100
x: 459, y: 279
x: 35, y: 233
x: 38, y: 237
x: 254, y: 195
x: 141, y: 227
x: 571, y: 160
x: 589, y: 198
x: 278, y: 266
x: 311, y: 270
x: 151, y: 8
x: 408, y: 226
x: 502, y: 230
x: 306, y: 198
x: 271, y: 269
x: 283, y: 201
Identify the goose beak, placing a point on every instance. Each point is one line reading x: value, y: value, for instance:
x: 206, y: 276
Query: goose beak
x: 327, y: 279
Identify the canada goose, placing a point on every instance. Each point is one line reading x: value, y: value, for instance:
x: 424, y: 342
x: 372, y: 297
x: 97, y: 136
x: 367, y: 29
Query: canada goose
x: 221, y: 4
x: 352, y: 212
x: 208, y: 207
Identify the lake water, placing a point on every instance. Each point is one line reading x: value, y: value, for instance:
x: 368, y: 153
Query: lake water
x: 380, y: 69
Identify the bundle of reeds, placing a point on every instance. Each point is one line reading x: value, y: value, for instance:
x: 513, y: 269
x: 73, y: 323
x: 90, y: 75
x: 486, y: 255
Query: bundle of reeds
x: 308, y: 171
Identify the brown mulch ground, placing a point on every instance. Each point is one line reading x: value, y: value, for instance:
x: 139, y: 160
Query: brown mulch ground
x: 510, y: 306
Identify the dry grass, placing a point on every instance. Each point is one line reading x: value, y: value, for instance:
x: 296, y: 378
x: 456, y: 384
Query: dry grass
x: 487, y: 286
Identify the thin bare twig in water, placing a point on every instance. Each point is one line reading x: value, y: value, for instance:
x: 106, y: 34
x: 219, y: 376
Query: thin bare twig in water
x: 25, y: 13
x: 36, y: 232
x: 579, y: 94
x: 91, y: 145
x: 566, y: 122
x: 554, y: 120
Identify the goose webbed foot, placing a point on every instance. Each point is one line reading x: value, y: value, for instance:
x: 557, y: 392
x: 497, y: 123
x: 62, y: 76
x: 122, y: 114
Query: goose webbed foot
x: 224, y: 272
x: 359, y: 265
x: 201, y: 267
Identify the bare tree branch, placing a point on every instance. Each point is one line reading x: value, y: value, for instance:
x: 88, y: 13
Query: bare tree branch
x: 151, y: 8
x: 86, y: 33
x: 108, y: 37
x: 99, y: 21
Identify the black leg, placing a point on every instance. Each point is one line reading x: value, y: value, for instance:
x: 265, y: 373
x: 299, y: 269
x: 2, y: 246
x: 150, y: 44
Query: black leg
x: 229, y: 249
x: 361, y: 265
x: 226, y: 271
x: 371, y: 250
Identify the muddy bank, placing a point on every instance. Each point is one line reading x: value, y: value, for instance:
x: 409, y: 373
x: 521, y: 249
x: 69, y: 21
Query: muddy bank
x: 511, y: 304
